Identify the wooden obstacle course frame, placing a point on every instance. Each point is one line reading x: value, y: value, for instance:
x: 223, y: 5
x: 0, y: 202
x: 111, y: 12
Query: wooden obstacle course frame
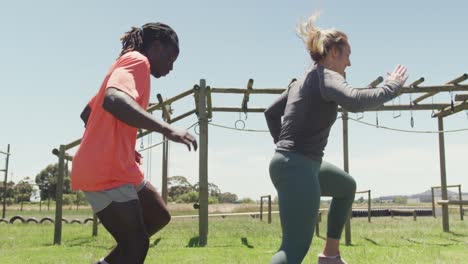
x: 269, y: 207
x: 204, y: 109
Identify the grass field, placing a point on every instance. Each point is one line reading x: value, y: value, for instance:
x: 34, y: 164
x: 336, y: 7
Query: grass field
x: 241, y: 240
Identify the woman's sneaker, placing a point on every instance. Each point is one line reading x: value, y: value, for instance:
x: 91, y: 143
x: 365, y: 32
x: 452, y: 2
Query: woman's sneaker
x: 330, y: 260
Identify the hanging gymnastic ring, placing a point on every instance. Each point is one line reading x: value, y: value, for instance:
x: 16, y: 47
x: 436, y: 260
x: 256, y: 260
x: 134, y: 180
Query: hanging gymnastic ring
x: 239, y: 123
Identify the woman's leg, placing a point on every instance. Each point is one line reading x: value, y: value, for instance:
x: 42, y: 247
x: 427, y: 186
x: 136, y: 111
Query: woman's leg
x: 295, y: 179
x: 155, y: 215
x: 341, y: 186
x: 124, y: 221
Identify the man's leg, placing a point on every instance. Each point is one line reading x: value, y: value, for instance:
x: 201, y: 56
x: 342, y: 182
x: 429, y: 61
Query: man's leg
x: 124, y: 222
x: 155, y: 215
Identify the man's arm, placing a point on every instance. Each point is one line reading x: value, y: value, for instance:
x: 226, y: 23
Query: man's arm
x: 85, y: 114
x: 123, y: 107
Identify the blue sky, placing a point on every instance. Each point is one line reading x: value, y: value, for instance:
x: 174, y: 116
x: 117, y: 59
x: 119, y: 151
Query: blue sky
x: 56, y: 53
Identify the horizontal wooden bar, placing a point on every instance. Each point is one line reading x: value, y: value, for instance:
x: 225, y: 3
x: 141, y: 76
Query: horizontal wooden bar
x: 73, y: 144
x: 454, y: 81
x: 381, y: 108
x: 56, y: 152
x: 461, y: 97
x: 173, y: 120
x: 450, y: 111
x: 170, y: 100
x: 376, y: 82
x: 1, y: 152
x: 406, y: 89
x: 416, y: 83
x: 363, y: 191
x: 435, y: 88
x: 455, y: 202
x: 253, y: 91
x: 436, y: 187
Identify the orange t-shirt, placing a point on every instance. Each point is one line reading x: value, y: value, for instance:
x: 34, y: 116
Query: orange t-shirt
x: 106, y: 156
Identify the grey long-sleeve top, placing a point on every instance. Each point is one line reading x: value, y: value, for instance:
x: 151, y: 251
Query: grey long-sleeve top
x: 309, y: 109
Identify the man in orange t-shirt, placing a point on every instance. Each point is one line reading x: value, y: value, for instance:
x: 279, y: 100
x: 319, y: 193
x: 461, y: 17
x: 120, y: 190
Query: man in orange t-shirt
x: 106, y: 166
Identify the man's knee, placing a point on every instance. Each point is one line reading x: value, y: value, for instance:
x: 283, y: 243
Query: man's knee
x: 158, y: 222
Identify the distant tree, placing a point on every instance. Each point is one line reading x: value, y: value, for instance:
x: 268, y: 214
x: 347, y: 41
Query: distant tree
x: 190, y: 197
x: 247, y: 200
x: 177, y: 186
x: 213, y: 189
x: 47, y: 181
x: 10, y: 191
x: 23, y: 191
x: 227, y: 197
x: 360, y: 200
x: 400, y: 200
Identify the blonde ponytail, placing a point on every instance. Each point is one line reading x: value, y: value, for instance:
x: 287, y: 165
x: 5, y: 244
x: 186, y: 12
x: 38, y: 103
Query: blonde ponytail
x: 319, y: 41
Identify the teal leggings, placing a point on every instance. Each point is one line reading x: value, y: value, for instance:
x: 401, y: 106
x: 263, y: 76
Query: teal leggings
x: 300, y: 182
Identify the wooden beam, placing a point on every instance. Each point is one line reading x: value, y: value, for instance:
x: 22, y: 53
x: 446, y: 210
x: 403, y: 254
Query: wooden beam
x: 203, y: 166
x: 455, y: 202
x: 344, y: 117
x: 406, y: 89
x: 173, y: 120
x: 209, y: 103
x: 450, y: 111
x: 59, y: 197
x: 66, y: 156
x: 454, y: 81
x: 166, y: 114
x: 170, y: 100
x: 381, y: 108
x: 245, y: 100
x: 375, y: 82
x: 242, y: 91
x: 443, y: 175
x: 461, y: 97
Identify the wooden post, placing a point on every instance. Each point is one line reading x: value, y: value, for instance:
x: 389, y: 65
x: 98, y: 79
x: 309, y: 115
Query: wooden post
x: 203, y: 164
x: 58, y: 197
x: 414, y: 215
x: 261, y: 208
x: 433, y: 203
x: 269, y: 209
x: 95, y: 225
x: 165, y: 161
x: 344, y: 117
x: 317, y: 224
x: 369, y: 210
x: 5, y: 180
x: 443, y: 175
x: 460, y: 198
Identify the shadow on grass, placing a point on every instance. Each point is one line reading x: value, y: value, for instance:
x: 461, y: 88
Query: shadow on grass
x: 156, y: 242
x: 456, y: 234
x: 82, y: 242
x: 371, y: 241
x: 432, y: 244
x: 193, y: 242
x: 245, y: 242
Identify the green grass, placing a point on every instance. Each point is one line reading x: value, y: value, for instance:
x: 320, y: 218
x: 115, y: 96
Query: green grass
x: 244, y: 240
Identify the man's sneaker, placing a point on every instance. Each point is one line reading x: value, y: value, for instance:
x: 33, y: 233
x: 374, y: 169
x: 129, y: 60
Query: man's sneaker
x: 327, y: 260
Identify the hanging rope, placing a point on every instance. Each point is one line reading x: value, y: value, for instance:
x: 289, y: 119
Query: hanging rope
x: 238, y: 129
x: 410, y: 131
x: 359, y: 121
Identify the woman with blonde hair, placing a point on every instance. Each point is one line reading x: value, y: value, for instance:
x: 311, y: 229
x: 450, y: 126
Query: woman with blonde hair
x: 299, y: 122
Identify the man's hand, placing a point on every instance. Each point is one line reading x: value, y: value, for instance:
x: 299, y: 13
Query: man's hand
x: 182, y: 136
x: 138, y: 158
